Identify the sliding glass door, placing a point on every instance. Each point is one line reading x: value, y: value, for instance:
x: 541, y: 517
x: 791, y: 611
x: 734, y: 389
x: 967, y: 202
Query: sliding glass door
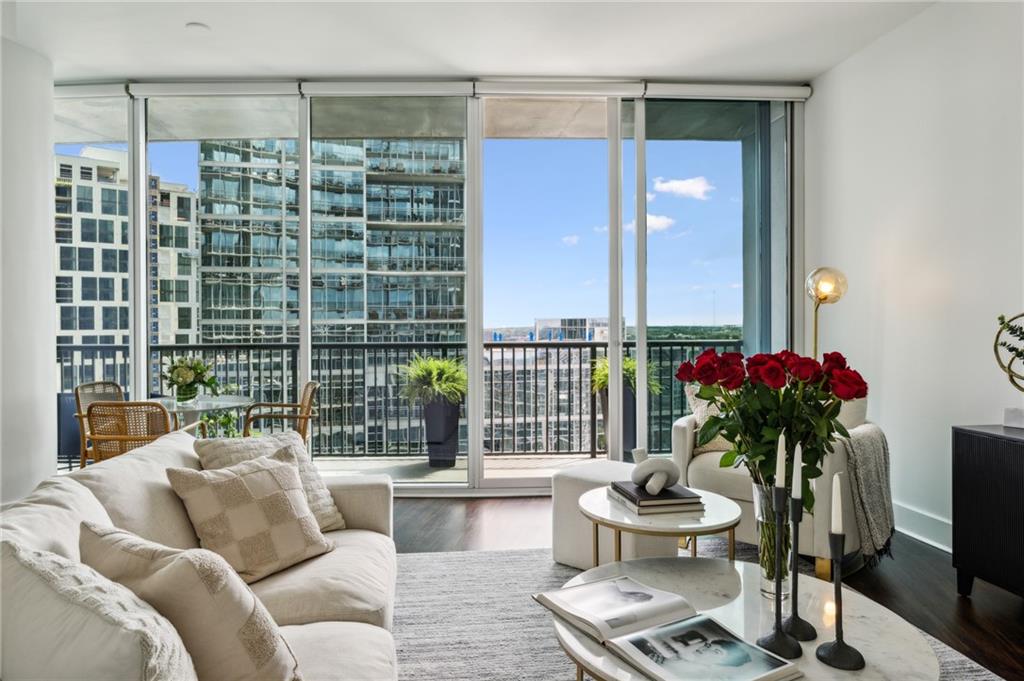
x: 716, y: 196
x: 545, y: 297
x: 388, y: 185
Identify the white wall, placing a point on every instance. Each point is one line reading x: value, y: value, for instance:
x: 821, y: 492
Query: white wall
x: 28, y: 418
x: 914, y: 189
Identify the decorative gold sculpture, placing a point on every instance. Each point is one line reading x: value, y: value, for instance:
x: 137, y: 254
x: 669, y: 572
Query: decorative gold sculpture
x: 1013, y: 353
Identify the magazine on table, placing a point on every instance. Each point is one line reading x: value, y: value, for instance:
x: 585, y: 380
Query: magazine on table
x: 661, y: 634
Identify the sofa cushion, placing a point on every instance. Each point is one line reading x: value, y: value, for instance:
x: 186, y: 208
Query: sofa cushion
x: 853, y: 413
x: 703, y: 410
x: 48, y: 518
x: 254, y: 514
x: 355, y: 582
x: 223, y: 452
x: 343, y: 651
x: 228, y: 632
x: 133, y: 488
x: 705, y: 473
x: 63, y: 620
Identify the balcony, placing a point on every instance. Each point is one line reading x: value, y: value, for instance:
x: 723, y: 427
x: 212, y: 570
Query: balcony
x: 539, y: 410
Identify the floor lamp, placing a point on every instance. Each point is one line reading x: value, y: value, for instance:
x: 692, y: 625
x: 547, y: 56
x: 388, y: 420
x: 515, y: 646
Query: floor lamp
x: 825, y: 285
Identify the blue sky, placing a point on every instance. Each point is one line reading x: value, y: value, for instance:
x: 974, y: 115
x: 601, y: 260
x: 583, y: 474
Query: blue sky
x: 546, y: 238
x: 546, y: 228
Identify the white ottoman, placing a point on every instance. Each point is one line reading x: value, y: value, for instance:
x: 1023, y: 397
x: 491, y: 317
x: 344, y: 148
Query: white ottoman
x: 572, y: 532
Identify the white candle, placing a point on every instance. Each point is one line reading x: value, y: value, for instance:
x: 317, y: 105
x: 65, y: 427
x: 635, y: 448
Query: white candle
x: 780, y: 463
x: 797, y: 472
x: 837, y: 505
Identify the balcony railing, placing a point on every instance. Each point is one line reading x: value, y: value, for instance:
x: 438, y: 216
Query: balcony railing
x: 537, y: 395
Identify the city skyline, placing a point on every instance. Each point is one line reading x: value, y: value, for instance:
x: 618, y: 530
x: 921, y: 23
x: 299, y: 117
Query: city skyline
x: 558, y: 240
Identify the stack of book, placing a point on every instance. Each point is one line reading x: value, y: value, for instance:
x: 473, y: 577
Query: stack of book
x: 675, y: 499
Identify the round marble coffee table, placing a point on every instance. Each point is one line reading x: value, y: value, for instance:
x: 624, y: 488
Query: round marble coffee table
x: 730, y: 593
x: 720, y: 515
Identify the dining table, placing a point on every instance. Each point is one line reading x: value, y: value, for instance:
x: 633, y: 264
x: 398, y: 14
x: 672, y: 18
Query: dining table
x: 189, y: 412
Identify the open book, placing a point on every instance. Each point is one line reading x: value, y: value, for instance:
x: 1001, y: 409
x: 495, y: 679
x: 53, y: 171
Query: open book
x: 661, y: 634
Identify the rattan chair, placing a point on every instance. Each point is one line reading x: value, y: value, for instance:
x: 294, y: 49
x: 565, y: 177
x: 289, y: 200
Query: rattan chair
x: 86, y: 394
x: 300, y: 414
x: 119, y: 427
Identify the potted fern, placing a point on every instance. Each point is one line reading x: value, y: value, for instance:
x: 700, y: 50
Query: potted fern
x: 440, y: 385
x: 599, y: 384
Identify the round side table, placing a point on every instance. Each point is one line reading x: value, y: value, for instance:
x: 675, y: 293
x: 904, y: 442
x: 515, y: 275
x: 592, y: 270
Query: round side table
x: 720, y: 515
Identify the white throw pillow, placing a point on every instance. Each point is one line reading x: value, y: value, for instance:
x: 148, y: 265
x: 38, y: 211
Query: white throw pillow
x: 702, y: 410
x: 228, y: 632
x: 217, y: 453
x: 62, y: 620
x: 853, y: 413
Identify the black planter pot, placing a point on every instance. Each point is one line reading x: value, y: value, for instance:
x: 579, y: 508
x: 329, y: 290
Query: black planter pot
x: 441, y: 421
x: 628, y: 419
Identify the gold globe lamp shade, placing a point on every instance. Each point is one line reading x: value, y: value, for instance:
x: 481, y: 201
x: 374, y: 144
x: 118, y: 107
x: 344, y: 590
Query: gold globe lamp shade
x: 824, y: 285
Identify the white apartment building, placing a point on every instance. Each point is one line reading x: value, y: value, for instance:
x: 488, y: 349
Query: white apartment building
x: 173, y: 263
x: 91, y: 263
x: 91, y: 231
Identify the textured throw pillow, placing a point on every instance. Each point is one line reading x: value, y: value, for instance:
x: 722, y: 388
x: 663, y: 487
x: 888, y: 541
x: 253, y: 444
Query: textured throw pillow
x: 254, y: 514
x: 64, y: 620
x: 226, y: 629
x: 222, y: 452
x: 702, y: 410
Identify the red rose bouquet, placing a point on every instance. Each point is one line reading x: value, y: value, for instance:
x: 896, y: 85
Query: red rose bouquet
x: 763, y: 397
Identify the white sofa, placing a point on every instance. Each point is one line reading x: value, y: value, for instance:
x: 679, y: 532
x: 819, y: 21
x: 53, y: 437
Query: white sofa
x: 335, y: 610
x: 703, y: 471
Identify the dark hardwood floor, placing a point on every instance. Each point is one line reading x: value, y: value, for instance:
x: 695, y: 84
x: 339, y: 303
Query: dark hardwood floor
x: 919, y: 584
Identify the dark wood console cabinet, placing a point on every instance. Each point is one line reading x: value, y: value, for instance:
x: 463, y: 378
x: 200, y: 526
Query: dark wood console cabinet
x: 988, y: 507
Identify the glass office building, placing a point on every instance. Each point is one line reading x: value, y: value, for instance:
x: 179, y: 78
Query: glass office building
x: 387, y: 243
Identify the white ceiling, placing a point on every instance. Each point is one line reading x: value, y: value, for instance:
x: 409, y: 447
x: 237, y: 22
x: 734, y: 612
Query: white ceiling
x: 699, y: 41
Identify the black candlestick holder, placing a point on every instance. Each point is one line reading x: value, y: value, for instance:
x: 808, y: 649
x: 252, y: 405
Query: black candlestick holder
x: 779, y: 642
x: 794, y: 625
x: 838, y: 653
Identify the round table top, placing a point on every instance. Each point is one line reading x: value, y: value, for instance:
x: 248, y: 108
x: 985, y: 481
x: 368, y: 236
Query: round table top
x: 730, y: 593
x: 205, y: 403
x: 720, y: 513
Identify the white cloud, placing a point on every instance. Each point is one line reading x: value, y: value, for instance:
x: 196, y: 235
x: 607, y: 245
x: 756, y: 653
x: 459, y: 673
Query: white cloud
x: 571, y: 239
x: 735, y: 285
x: 693, y: 187
x: 679, y: 234
x: 659, y: 223
x: 651, y: 196
x: 589, y: 282
x: 602, y: 228
x: 655, y: 223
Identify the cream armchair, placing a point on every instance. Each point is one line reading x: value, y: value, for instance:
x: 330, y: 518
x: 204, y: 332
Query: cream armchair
x: 703, y: 472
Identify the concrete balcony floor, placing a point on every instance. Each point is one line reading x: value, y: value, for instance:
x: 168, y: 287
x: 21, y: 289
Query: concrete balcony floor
x: 416, y: 469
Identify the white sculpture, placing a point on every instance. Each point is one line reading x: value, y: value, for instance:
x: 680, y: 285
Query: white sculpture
x: 653, y: 475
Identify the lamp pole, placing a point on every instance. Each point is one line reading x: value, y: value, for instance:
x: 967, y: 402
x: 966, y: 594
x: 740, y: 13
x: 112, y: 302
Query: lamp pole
x: 817, y: 304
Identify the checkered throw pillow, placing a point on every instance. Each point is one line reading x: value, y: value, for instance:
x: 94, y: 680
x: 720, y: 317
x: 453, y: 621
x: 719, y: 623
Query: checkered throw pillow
x: 254, y: 514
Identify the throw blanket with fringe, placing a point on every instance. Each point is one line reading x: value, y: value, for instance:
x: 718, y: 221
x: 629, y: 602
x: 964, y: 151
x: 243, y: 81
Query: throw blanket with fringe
x: 867, y: 457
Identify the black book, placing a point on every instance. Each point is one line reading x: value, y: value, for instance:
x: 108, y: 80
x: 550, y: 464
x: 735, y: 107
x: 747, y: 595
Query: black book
x: 676, y: 494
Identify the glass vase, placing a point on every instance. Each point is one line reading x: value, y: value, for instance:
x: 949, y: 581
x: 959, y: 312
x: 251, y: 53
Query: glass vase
x: 764, y: 516
x: 186, y: 393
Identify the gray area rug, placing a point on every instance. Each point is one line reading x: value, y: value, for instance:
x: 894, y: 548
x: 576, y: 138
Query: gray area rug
x: 468, y: 616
